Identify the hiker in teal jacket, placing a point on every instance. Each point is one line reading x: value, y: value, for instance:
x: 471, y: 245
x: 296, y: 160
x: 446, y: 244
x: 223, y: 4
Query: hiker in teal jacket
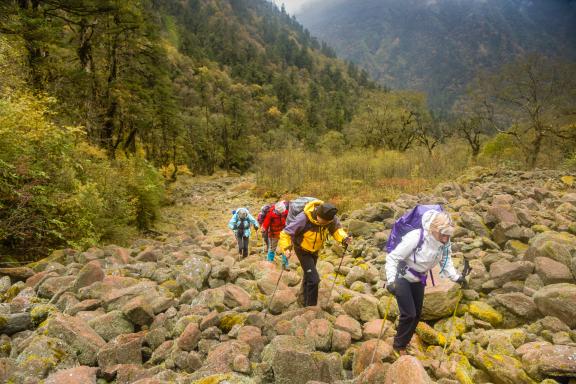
x: 240, y: 224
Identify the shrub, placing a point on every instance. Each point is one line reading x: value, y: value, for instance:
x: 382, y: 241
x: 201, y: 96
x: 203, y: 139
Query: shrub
x: 56, y: 189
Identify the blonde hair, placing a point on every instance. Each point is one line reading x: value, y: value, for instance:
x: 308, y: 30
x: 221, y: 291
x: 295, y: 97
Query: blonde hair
x: 442, y: 224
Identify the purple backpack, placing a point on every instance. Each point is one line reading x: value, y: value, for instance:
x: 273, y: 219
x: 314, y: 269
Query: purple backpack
x: 409, y: 222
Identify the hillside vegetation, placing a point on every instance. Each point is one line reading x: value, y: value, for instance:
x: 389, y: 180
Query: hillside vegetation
x: 437, y: 46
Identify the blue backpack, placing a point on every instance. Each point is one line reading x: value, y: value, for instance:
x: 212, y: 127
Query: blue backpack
x: 409, y: 222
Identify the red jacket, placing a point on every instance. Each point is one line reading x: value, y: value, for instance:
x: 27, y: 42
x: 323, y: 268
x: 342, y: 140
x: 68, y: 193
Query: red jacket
x: 274, y: 223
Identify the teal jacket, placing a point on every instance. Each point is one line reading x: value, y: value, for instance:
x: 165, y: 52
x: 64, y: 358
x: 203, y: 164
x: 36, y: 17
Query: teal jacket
x: 236, y: 224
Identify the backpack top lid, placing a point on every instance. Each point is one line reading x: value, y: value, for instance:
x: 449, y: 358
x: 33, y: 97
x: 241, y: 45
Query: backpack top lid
x: 296, y: 206
x: 408, y: 222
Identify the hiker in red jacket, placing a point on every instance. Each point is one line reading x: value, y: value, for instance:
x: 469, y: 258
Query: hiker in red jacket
x: 273, y: 224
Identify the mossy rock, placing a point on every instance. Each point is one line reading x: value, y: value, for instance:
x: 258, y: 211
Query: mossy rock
x: 173, y: 287
x: 224, y: 378
x: 358, y: 286
x: 485, y: 312
x: 345, y: 297
x: 539, y: 228
x: 230, y: 320
x: 13, y: 291
x: 452, y: 326
x: 464, y: 371
x: 40, y: 313
x: 429, y: 335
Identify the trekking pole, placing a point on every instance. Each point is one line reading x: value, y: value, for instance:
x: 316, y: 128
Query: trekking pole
x: 337, y: 272
x: 465, y: 273
x: 273, y: 293
x: 400, y: 266
x: 382, y: 327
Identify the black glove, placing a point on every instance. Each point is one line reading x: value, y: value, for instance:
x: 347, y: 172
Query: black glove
x: 391, y: 288
x: 461, y: 280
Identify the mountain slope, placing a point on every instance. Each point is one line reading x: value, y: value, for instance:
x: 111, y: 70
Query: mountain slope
x: 437, y: 45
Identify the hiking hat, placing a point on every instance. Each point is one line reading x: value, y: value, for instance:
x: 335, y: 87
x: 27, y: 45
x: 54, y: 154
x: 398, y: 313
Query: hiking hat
x: 326, y: 211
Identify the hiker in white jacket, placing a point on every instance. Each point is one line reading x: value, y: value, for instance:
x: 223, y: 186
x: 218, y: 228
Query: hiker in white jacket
x: 407, y: 268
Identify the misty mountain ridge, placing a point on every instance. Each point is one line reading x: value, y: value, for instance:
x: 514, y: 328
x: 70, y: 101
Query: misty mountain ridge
x: 437, y: 46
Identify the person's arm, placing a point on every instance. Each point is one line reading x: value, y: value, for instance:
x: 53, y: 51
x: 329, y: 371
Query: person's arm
x: 401, y: 252
x: 266, y: 222
x: 288, y: 234
x: 336, y: 230
x: 253, y: 221
x: 232, y: 222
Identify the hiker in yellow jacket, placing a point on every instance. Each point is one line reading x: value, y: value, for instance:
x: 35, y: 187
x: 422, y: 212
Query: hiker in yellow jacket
x: 306, y: 236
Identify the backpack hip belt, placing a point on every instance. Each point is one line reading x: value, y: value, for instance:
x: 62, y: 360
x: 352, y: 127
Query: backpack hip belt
x: 423, y: 276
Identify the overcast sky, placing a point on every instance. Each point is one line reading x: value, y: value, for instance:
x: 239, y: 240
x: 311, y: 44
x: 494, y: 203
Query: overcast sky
x: 292, y: 6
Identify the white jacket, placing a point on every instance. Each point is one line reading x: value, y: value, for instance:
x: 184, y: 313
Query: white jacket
x: 431, y: 252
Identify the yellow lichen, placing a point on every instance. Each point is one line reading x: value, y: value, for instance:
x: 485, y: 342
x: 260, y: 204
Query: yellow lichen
x: 230, y: 320
x: 485, y: 312
x: 429, y: 335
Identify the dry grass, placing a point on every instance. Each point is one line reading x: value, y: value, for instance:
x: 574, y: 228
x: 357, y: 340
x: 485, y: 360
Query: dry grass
x: 355, y: 178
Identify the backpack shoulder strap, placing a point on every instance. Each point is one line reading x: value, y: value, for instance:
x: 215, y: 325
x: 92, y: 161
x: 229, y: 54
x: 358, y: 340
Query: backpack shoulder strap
x: 419, y: 245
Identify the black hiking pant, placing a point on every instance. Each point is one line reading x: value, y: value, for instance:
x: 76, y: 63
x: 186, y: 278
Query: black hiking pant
x: 311, y: 279
x: 243, y: 245
x: 410, y: 298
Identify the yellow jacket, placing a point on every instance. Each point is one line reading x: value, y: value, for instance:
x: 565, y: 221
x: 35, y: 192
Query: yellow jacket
x: 308, y: 233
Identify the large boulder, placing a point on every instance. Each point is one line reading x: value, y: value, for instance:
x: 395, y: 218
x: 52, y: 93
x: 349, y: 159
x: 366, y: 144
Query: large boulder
x: 377, y: 212
x: 78, y: 335
x: 474, y: 222
x: 319, y: 331
x: 361, y: 228
x: 552, y: 271
x: 407, y: 370
x: 235, y: 296
x: 125, y: 349
x: 557, y: 361
x: 485, y: 312
x: 294, y: 361
x: 17, y: 273
x: 350, y: 325
x: 519, y: 304
x: 558, y: 300
x: 111, y: 324
x: 188, y: 340
x: 504, y: 232
x: 194, y: 272
x: 559, y: 246
x: 503, y: 271
x: 220, y: 358
x: 89, y: 274
x: 502, y: 369
x: 440, y: 300
x: 82, y: 374
x: 379, y: 350
x: 283, y: 299
x: 42, y: 354
x: 362, y: 308
x: 138, y: 311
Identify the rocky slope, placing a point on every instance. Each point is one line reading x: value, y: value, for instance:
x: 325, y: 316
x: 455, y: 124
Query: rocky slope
x: 183, y: 309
